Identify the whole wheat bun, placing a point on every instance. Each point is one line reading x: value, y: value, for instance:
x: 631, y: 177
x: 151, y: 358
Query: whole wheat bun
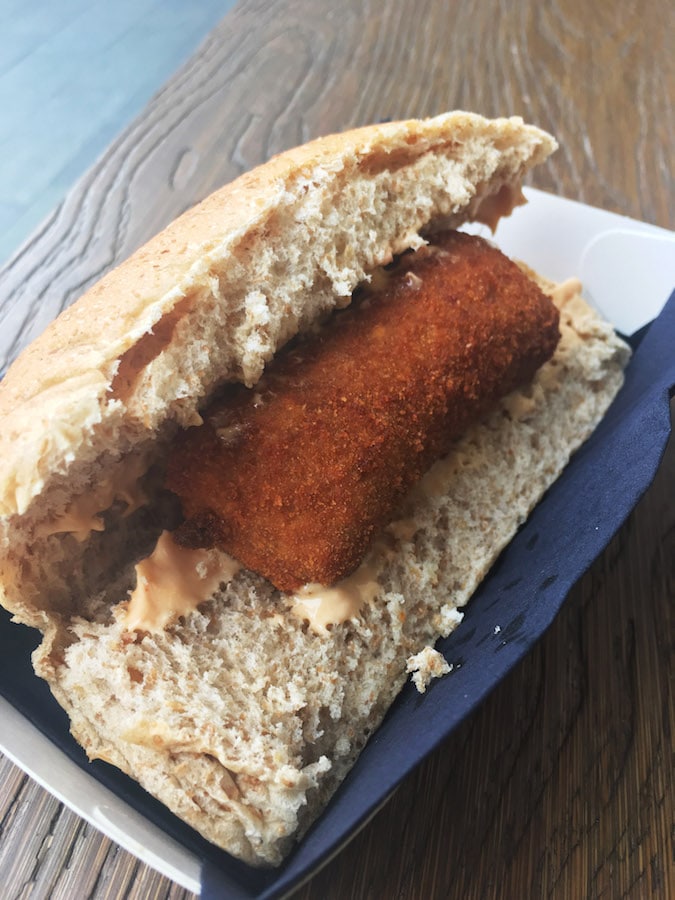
x: 276, y: 713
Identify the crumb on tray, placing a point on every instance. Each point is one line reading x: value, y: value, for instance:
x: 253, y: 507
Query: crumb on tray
x: 425, y: 665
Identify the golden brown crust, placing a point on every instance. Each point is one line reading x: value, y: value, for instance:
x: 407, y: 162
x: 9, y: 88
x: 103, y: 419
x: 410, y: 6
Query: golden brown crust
x: 73, y: 342
x: 296, y: 476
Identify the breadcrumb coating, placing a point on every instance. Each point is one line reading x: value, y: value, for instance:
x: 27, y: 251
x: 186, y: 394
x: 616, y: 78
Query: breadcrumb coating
x: 295, y: 476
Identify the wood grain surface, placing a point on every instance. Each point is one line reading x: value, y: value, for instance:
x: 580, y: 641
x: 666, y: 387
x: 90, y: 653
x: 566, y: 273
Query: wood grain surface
x: 561, y: 784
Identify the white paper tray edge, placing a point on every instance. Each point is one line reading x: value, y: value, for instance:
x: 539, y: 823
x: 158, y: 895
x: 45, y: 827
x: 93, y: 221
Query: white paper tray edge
x: 29, y: 749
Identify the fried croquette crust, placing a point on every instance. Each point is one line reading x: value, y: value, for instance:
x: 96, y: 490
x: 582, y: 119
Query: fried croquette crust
x: 296, y: 476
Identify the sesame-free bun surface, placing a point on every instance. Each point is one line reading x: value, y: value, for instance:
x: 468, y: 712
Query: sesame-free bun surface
x: 213, y: 295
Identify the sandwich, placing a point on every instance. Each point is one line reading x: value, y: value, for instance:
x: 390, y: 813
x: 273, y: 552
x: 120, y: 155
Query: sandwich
x: 252, y: 476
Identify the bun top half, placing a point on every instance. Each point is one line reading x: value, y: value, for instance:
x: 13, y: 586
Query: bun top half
x: 213, y: 296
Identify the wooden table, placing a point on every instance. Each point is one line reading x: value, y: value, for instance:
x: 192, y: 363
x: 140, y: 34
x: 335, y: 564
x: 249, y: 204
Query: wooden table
x: 562, y: 783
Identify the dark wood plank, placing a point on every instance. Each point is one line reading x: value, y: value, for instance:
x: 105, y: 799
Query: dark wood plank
x: 562, y: 783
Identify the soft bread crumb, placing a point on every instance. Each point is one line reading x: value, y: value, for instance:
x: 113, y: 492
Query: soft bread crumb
x: 425, y: 665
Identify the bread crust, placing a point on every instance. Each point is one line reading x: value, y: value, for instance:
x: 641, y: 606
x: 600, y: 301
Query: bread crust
x: 57, y: 405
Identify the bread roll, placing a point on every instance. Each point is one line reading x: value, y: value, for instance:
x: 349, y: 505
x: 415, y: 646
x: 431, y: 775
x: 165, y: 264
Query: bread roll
x: 243, y: 714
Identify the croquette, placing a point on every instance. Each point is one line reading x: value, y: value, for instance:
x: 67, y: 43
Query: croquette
x: 296, y: 476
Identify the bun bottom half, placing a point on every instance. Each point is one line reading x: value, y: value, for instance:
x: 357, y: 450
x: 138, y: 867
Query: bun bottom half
x: 240, y: 717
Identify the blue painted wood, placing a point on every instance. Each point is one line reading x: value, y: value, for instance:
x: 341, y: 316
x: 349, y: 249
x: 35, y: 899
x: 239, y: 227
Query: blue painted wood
x: 73, y: 74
